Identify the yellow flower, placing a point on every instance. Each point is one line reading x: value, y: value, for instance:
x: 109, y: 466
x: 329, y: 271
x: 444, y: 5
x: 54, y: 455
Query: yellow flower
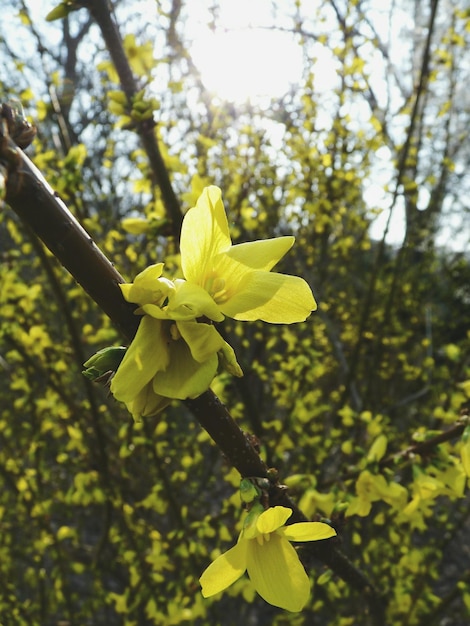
x: 140, y: 57
x: 372, y: 488
x: 146, y: 403
x: 161, y: 356
x: 263, y: 549
x: 238, y: 278
x: 172, y: 354
x: 177, y: 349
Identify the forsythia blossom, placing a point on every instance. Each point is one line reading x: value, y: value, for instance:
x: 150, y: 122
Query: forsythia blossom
x: 177, y: 350
x: 263, y: 549
x: 238, y: 278
x: 172, y: 355
x: 372, y: 488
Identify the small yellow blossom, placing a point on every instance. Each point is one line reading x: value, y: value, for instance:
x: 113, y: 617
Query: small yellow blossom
x: 263, y: 549
x: 140, y: 57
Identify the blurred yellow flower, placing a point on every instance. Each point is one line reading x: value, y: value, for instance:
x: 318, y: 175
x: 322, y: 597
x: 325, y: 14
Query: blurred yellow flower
x: 372, y: 488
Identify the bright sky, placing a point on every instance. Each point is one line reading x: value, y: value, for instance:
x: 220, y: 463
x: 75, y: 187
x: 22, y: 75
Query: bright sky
x: 246, y: 58
x: 244, y: 64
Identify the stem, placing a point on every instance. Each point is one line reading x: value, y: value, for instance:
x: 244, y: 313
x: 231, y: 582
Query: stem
x: 422, y: 448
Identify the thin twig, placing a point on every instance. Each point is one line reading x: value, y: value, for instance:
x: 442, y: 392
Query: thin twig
x: 422, y: 448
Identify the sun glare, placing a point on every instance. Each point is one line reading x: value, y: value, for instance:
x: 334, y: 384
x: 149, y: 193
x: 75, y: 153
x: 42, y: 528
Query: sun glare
x: 247, y: 63
x: 246, y: 50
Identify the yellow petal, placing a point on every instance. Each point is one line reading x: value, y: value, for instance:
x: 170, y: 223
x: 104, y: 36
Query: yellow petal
x: 307, y: 531
x: 147, y: 403
x: 185, y: 302
x: 191, y: 301
x: 231, y: 269
x: 225, y: 570
x: 204, y: 234
x: 271, y: 297
x: 226, y: 277
x: 149, y: 274
x: 378, y: 448
x: 277, y: 574
x: 184, y: 377
x: 263, y: 254
x: 272, y: 519
x: 203, y: 339
x: 155, y: 311
x: 147, y: 354
x: 148, y: 286
x: 358, y: 506
x: 135, y: 225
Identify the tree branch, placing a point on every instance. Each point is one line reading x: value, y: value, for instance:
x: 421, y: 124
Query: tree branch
x: 30, y: 196
x: 99, y: 10
x: 422, y: 448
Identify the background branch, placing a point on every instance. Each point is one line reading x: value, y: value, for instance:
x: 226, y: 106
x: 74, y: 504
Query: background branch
x: 100, y: 12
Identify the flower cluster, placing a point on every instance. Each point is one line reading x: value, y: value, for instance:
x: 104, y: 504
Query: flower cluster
x: 177, y: 350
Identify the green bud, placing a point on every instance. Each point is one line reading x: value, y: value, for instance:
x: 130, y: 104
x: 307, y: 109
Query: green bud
x: 248, y: 491
x: 228, y: 360
x: 105, y: 360
x: 250, y: 520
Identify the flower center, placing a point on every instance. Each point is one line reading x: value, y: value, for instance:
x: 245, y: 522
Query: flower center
x: 264, y: 537
x: 174, y: 332
x: 215, y: 286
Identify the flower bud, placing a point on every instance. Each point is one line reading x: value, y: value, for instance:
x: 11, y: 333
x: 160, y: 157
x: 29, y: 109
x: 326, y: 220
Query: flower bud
x: 105, y: 360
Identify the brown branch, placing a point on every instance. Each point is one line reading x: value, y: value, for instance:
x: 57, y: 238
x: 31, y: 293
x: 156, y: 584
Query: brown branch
x: 38, y: 206
x: 424, y: 448
x: 30, y: 196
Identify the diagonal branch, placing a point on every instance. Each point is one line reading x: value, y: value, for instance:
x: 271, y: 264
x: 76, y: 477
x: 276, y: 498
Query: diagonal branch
x: 30, y: 196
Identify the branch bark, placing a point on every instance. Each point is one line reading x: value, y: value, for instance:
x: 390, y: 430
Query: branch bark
x: 31, y: 197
